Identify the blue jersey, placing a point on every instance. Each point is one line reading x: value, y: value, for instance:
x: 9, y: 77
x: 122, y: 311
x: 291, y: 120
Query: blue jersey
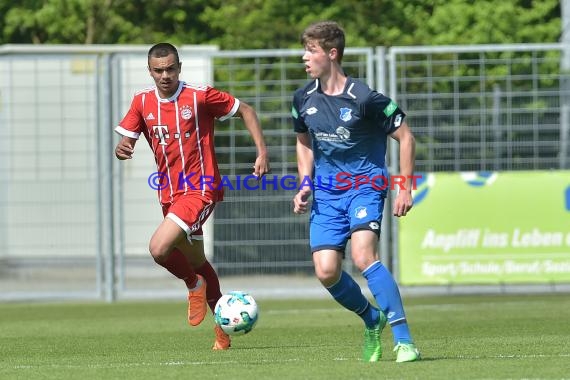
x: 348, y: 133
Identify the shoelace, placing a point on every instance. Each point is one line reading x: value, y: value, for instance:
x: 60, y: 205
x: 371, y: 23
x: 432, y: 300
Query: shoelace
x: 404, y: 347
x: 372, y: 333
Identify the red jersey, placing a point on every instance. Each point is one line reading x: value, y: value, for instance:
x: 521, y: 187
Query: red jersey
x: 180, y: 132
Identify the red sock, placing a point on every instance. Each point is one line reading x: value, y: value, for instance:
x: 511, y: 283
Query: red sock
x: 213, y: 293
x: 178, y: 265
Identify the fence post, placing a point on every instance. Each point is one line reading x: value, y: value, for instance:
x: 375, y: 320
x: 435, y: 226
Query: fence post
x: 105, y: 178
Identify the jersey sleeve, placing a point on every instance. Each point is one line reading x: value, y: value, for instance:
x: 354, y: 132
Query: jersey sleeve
x: 220, y: 104
x: 298, y: 123
x: 133, y: 122
x: 384, y: 112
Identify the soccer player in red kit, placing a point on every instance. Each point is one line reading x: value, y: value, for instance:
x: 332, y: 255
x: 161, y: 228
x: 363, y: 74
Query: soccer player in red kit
x: 177, y: 120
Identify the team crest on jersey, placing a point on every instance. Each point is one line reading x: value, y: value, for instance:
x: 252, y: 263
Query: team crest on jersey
x: 360, y: 212
x: 186, y: 112
x: 343, y: 133
x: 345, y: 114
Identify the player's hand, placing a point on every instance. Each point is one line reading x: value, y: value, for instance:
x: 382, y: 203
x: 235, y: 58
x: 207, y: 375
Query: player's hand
x: 301, y: 201
x: 403, y: 203
x: 261, y: 166
x: 124, y: 150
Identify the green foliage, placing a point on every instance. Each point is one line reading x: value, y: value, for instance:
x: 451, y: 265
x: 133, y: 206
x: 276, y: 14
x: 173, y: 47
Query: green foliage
x: 270, y: 24
x: 255, y: 24
x: 491, y: 22
x: 102, y: 21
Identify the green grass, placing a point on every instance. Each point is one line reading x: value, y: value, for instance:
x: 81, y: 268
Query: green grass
x: 460, y: 337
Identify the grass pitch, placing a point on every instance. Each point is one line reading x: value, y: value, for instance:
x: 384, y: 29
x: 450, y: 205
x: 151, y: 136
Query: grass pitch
x: 460, y: 337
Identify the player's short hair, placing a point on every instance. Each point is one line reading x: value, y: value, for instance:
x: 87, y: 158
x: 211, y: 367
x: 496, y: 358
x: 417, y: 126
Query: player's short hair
x: 163, y: 49
x: 328, y: 34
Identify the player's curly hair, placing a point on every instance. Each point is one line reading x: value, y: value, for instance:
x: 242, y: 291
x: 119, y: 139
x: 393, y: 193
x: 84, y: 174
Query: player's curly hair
x: 163, y: 49
x: 328, y: 34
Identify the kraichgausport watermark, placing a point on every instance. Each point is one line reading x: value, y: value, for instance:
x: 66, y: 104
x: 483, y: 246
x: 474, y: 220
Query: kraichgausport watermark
x: 342, y: 181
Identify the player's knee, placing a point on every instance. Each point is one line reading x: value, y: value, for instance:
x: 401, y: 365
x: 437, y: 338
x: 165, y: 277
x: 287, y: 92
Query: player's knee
x: 158, y: 251
x: 327, y: 276
x: 364, y: 260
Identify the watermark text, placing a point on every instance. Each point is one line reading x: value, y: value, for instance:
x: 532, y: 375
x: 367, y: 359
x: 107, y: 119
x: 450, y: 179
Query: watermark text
x: 342, y: 181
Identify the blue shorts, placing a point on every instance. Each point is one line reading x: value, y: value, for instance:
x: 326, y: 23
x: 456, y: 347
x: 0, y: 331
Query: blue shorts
x: 334, y: 220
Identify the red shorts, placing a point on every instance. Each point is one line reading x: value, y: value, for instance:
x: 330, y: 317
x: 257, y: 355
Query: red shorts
x: 190, y: 212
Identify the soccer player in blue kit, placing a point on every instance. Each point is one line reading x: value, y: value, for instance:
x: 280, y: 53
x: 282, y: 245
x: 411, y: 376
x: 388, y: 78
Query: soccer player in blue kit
x: 342, y: 126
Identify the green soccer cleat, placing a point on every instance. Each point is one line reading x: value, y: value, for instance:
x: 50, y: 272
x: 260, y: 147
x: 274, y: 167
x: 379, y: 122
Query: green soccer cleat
x: 406, y: 352
x: 372, y: 351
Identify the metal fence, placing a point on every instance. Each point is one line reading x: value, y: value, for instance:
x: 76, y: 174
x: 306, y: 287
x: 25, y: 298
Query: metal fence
x: 74, y: 222
x: 255, y: 231
x: 489, y: 107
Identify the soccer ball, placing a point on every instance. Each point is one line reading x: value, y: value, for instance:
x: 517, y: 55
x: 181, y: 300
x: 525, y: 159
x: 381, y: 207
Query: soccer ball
x: 236, y: 313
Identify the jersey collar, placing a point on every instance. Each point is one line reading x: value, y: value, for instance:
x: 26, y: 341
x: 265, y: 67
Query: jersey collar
x: 173, y: 97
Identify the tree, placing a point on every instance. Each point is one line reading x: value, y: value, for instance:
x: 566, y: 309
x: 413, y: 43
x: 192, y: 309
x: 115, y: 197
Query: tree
x: 268, y: 24
x: 63, y: 21
x: 491, y: 22
x: 279, y: 23
x: 102, y: 21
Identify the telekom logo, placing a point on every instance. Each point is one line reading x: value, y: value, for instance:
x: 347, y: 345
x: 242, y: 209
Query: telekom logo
x: 161, y: 132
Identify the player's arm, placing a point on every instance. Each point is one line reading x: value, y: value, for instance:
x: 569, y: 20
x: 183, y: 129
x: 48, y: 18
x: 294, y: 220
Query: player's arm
x: 125, y: 148
x: 305, y: 167
x: 251, y: 121
x: 130, y: 129
x: 404, y: 202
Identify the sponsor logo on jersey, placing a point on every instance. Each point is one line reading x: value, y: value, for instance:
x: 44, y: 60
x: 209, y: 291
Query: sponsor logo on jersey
x: 161, y: 133
x: 150, y: 116
x: 312, y: 111
x: 343, y: 133
x: 325, y: 136
x: 345, y: 114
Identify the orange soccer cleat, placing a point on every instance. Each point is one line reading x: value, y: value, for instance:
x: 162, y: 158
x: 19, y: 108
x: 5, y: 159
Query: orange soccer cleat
x: 197, y: 305
x: 222, y: 339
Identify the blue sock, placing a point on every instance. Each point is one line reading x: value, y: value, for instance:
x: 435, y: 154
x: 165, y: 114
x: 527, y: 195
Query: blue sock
x: 385, y: 291
x: 347, y: 292
x: 370, y: 316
